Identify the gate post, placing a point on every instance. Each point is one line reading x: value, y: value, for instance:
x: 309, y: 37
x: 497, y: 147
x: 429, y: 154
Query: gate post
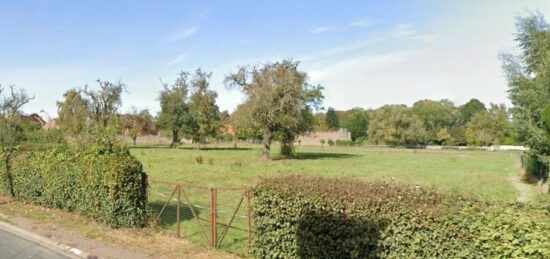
x: 213, y: 217
x: 178, y: 209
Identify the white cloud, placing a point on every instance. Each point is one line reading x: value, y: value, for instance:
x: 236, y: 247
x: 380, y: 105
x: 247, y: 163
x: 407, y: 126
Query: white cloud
x: 183, y: 34
x: 323, y: 29
x: 361, y: 23
x: 178, y: 59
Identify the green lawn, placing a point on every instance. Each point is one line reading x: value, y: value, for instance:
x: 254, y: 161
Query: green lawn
x: 477, y: 173
x: 482, y: 174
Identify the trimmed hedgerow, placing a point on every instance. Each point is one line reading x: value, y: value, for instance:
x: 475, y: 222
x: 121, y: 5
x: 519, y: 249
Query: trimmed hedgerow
x: 107, y: 185
x: 298, y: 217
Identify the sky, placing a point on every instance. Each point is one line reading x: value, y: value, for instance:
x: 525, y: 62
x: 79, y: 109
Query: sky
x: 365, y: 53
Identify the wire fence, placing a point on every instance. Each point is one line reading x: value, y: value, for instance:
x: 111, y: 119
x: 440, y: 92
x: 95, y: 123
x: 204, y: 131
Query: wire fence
x: 216, y: 217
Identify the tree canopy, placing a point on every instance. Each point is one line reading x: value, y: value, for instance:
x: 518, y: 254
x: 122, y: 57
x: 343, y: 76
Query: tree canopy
x: 279, y: 101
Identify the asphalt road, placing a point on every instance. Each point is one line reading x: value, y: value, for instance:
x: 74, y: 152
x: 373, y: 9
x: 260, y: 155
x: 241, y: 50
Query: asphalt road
x: 13, y: 246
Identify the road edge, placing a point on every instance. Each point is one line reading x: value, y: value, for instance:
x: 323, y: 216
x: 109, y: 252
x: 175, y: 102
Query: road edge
x: 52, y: 244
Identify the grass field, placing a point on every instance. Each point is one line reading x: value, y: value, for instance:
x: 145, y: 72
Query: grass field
x: 477, y: 173
x: 481, y: 174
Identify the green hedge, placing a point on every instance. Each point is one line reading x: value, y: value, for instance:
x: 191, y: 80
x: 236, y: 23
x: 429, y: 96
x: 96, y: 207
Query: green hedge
x: 106, y: 185
x: 297, y: 217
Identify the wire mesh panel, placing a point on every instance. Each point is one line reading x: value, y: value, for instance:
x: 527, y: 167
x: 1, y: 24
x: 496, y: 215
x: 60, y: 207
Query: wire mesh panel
x: 205, y: 216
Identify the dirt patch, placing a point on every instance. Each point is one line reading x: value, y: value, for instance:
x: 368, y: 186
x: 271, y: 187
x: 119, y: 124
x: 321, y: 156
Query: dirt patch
x: 98, y: 240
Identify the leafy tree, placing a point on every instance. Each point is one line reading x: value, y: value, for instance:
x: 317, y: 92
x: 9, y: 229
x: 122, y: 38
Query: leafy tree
x: 174, y: 107
x: 279, y: 100
x: 104, y: 102
x: 395, y: 125
x: 331, y: 119
x: 73, y: 112
x: 469, y: 109
x: 443, y: 136
x: 357, y: 124
x: 489, y: 127
x: 137, y: 123
x: 204, y: 111
x: 528, y: 75
x: 435, y: 115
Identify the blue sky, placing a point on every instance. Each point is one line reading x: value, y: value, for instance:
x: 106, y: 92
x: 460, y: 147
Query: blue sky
x: 365, y: 53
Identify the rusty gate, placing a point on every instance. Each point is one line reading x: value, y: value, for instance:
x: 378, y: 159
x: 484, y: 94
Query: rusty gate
x: 218, y: 217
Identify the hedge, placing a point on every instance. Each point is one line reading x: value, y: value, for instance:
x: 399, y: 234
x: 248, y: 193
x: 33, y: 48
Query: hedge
x: 299, y: 217
x: 107, y: 185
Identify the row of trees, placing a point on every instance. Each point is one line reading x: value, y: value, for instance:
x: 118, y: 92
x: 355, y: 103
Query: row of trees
x: 426, y: 122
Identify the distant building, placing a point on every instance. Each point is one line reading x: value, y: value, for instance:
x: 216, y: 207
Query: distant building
x: 52, y: 124
x: 34, y: 118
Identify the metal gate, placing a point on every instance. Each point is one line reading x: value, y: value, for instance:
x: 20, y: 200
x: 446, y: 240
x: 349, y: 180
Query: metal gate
x: 217, y: 217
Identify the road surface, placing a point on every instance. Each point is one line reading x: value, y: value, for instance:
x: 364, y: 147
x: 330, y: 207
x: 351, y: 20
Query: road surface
x: 13, y: 246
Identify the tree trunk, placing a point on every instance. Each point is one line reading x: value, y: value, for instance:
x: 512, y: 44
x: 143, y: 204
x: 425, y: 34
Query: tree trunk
x: 175, y: 139
x: 135, y: 140
x: 266, y: 143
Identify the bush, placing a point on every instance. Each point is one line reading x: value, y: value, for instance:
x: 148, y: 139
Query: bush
x: 344, y: 142
x: 536, y: 167
x: 107, y: 185
x: 360, y: 141
x: 330, y: 142
x: 321, y: 218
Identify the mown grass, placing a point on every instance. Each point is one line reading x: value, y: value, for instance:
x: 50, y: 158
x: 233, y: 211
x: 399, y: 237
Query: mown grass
x: 475, y: 173
x: 480, y: 174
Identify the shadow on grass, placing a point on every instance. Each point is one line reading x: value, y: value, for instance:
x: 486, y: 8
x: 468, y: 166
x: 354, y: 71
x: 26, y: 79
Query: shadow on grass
x: 316, y: 155
x: 215, y: 148
x: 169, y: 215
x: 191, y: 148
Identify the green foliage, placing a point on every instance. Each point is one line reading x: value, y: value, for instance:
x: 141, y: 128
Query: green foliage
x: 469, y: 109
x: 331, y: 119
x: 357, y: 124
x: 435, y: 115
x: 330, y: 142
x: 73, y: 113
x: 395, y: 125
x: 322, y: 218
x: 279, y: 101
x: 174, y: 109
x: 342, y: 143
x: 528, y: 75
x: 105, y: 184
x: 204, y: 111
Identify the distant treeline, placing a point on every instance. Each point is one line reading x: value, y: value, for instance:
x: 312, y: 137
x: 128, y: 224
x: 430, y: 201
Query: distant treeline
x: 426, y: 122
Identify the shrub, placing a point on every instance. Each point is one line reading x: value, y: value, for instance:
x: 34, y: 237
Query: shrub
x: 107, y: 185
x: 340, y: 142
x: 322, y: 141
x: 321, y: 218
x: 330, y: 142
x: 360, y: 141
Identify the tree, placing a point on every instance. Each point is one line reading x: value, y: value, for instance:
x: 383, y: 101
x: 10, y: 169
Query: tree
x: 469, y: 109
x: 73, y: 112
x: 489, y: 127
x: 435, y: 115
x: 528, y: 75
x: 137, y: 123
x: 174, y: 108
x: 443, y: 136
x: 357, y: 124
x: 11, y: 104
x: 331, y: 119
x: 204, y: 111
x: 279, y: 100
x: 395, y: 125
x: 105, y: 102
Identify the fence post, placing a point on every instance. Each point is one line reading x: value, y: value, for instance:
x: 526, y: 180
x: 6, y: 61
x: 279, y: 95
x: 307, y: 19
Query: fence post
x: 249, y: 215
x: 213, y: 216
x: 178, y: 209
